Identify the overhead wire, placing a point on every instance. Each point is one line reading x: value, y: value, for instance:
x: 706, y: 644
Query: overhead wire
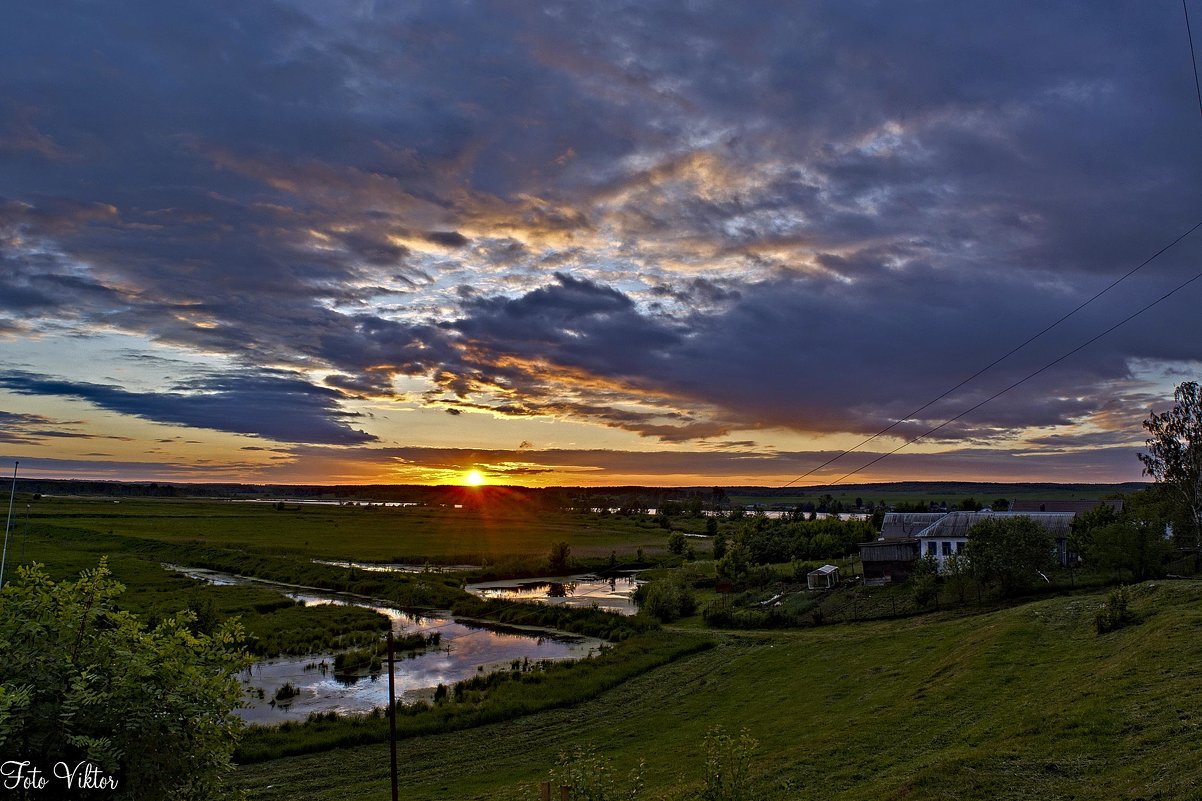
x: 999, y: 359
x: 1193, y: 59
x: 1032, y: 338
x: 1026, y: 378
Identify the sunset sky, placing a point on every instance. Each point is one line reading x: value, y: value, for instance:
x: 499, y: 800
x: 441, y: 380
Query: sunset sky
x: 590, y: 243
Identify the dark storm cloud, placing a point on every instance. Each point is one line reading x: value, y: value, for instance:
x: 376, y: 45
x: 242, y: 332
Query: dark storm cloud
x: 793, y: 353
x: 270, y: 405
x: 572, y: 321
x: 36, y: 429
x: 841, y: 209
x: 452, y: 239
x: 195, y: 470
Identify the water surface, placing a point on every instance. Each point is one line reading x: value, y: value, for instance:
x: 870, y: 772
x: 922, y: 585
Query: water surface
x: 466, y: 648
x: 611, y: 594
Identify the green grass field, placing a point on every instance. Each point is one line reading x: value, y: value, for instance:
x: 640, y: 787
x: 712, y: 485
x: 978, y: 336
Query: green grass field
x: 1023, y: 703
x: 407, y: 534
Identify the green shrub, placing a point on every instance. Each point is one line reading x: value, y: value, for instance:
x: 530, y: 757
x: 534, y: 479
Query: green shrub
x: 1116, y: 612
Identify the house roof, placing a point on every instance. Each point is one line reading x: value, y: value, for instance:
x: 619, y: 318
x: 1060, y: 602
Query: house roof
x: 907, y: 524
x: 957, y: 524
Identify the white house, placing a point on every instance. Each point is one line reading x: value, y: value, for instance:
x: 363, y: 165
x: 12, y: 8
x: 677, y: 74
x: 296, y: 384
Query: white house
x: 944, y: 534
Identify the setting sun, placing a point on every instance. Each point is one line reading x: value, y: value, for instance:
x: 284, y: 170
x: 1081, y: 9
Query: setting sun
x: 474, y: 478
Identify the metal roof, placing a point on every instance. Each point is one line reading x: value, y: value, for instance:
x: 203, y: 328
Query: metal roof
x: 957, y: 524
x: 907, y: 524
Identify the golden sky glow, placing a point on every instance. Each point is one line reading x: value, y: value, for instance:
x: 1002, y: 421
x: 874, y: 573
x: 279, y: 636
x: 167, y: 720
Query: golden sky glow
x: 565, y: 246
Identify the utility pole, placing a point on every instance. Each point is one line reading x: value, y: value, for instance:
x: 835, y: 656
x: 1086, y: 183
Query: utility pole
x: 392, y: 710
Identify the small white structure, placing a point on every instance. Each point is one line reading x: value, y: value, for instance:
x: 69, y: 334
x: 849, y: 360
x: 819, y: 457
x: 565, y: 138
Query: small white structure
x: 824, y: 578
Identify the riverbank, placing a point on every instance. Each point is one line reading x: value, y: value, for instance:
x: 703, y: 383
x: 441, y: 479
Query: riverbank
x: 1024, y: 702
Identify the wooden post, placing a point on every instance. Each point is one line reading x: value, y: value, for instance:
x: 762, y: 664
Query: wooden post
x: 565, y: 792
x: 392, y: 711
x: 544, y: 791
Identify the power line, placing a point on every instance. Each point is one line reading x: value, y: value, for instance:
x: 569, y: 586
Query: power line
x: 999, y: 359
x: 1025, y: 379
x: 1193, y: 59
x: 1029, y: 340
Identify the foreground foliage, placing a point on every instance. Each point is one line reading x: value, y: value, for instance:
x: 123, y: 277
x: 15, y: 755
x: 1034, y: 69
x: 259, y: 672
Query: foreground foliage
x: 83, y: 681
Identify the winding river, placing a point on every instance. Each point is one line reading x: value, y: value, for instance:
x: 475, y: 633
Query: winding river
x: 466, y: 648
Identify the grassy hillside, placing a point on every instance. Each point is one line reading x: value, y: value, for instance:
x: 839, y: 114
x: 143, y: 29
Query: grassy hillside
x: 1023, y: 703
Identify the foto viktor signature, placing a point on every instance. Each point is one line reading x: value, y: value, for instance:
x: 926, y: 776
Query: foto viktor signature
x: 22, y: 775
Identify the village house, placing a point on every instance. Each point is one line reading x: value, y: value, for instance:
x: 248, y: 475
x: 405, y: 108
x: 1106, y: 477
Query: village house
x: 908, y: 536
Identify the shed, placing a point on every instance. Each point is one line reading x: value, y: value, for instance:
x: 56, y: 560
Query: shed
x: 888, y: 560
x: 824, y: 578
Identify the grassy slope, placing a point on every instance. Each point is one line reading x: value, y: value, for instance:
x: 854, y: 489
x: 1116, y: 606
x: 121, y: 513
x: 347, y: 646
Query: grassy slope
x: 1023, y: 703
x: 372, y: 534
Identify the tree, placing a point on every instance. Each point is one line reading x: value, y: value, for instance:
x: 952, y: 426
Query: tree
x: 1132, y: 542
x: 734, y: 563
x: 676, y: 543
x: 558, y: 558
x: 1174, y: 455
x: 1011, y: 552
x: 957, y: 575
x: 86, y: 683
x: 924, y: 582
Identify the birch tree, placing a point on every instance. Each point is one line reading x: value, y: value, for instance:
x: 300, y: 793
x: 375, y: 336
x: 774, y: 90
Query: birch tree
x: 1174, y: 456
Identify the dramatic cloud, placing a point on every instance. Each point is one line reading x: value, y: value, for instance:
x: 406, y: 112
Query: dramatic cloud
x: 274, y: 406
x: 35, y: 429
x: 703, y: 224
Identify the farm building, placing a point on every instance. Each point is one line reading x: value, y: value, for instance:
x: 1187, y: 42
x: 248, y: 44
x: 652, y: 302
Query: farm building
x: 949, y: 534
x: 888, y: 560
x: 908, y: 536
x: 824, y: 578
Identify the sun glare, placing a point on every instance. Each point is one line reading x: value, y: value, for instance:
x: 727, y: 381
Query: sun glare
x: 474, y: 478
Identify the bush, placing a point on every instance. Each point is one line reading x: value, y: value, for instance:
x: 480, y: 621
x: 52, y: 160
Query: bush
x: 666, y: 599
x: 84, y: 682
x: 1115, y: 613
x: 728, y: 766
x: 592, y: 777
